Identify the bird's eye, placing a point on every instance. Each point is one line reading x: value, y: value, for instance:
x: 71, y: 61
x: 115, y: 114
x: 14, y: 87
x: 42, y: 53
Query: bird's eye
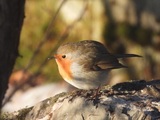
x: 63, y: 56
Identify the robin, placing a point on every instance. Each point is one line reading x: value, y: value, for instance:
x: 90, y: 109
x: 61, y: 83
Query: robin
x: 86, y: 64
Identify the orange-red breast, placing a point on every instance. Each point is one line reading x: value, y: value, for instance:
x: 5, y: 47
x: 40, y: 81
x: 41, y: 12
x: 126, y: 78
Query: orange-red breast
x: 86, y: 64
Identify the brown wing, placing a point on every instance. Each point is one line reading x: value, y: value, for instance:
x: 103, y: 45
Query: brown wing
x: 95, y: 56
x: 107, y: 62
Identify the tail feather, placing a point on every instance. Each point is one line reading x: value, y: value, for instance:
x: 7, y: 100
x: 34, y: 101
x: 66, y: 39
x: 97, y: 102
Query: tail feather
x: 126, y: 55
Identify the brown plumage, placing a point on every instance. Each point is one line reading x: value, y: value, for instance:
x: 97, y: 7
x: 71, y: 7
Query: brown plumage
x: 88, y: 63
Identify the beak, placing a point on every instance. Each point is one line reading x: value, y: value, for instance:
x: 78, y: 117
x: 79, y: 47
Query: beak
x: 49, y: 58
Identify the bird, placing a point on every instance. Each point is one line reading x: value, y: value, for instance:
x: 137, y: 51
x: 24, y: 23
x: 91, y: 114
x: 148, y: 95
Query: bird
x: 86, y: 64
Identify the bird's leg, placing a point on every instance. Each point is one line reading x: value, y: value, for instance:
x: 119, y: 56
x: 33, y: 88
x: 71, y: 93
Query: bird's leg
x: 95, y: 96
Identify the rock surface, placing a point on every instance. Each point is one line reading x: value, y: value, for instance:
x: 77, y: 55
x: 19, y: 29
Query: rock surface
x: 125, y: 101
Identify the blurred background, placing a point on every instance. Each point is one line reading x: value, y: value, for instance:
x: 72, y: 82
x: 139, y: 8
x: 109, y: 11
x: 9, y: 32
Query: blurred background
x: 124, y: 26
